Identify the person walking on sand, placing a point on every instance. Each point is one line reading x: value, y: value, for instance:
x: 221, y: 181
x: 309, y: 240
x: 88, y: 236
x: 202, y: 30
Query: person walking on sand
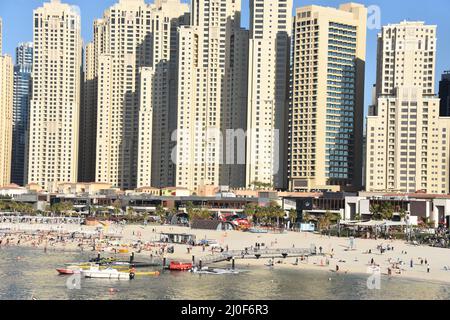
x: 428, y: 268
x: 320, y: 249
x: 411, y: 263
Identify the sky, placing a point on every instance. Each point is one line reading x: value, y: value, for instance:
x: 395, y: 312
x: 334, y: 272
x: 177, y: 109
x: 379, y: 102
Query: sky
x: 17, y: 24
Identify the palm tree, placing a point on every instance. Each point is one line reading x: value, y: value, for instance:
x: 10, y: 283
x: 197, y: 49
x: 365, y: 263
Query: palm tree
x: 402, y: 214
x: 383, y: 211
x: 117, y: 205
x: 67, y: 207
x: 306, y: 217
x: 261, y: 185
x: 250, y: 209
x: 200, y: 214
x: 161, y: 213
x: 293, y: 216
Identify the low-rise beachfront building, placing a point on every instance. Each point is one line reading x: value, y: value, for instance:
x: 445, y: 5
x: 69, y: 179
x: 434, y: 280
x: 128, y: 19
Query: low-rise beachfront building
x: 149, y: 190
x: 82, y: 188
x: 316, y: 204
x: 414, y: 206
x: 12, y: 190
x: 217, y: 205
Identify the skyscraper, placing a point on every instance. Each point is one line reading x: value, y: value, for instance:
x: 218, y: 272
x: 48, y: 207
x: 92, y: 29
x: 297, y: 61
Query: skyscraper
x: 158, y: 104
x: 88, y: 117
x: 22, y: 92
x: 327, y: 108
x: 135, y: 41
x: 407, y: 141
x: 268, y: 96
x: 6, y: 106
x: 444, y: 94
x: 55, y: 103
x: 211, y: 95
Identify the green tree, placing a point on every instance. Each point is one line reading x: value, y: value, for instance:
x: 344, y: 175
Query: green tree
x: 402, y: 214
x: 383, y: 211
x: 161, y: 213
x: 261, y: 186
x: 293, y: 216
x: 199, y: 214
x: 306, y: 217
x: 250, y: 209
x: 117, y: 205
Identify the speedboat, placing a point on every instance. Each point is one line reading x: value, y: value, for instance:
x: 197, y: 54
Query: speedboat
x: 109, y: 273
x: 178, y: 266
x: 69, y: 270
x: 206, y: 270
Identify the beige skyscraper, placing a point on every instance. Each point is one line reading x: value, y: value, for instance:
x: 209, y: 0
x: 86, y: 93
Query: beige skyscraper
x: 88, y: 117
x: 133, y: 140
x: 268, y: 95
x: 211, y: 94
x: 6, y: 114
x: 407, y: 141
x: 55, y: 103
x: 327, y: 107
x: 158, y: 105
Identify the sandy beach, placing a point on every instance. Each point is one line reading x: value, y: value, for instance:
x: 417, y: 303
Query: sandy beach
x: 335, y: 251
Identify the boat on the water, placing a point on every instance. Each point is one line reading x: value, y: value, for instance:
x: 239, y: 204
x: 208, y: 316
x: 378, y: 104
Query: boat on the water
x: 179, y: 266
x: 149, y: 273
x: 109, y: 273
x: 206, y: 270
x: 69, y: 270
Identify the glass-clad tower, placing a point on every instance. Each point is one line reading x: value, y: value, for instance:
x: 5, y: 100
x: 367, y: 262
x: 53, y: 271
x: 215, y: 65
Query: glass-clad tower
x: 22, y: 89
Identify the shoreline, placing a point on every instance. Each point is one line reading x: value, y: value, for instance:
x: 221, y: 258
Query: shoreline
x: 290, y: 267
x: 355, y: 261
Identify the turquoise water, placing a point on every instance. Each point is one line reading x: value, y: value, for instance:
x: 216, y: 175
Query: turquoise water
x: 34, y: 275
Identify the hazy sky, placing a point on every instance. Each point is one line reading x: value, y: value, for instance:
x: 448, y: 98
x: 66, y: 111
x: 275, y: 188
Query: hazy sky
x: 17, y: 23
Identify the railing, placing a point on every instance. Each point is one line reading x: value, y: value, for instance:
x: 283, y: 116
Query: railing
x: 254, y: 254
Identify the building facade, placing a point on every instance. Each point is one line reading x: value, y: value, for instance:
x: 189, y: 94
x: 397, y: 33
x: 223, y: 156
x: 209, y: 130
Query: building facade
x: 211, y: 95
x: 88, y: 117
x: 22, y: 93
x: 133, y: 145
x: 158, y: 104
x: 268, y: 94
x: 55, y: 102
x: 407, y: 141
x: 444, y: 94
x: 6, y: 114
x: 327, y: 107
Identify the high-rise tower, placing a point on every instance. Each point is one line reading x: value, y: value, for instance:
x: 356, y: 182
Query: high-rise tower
x: 327, y: 108
x: 55, y: 103
x: 407, y: 141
